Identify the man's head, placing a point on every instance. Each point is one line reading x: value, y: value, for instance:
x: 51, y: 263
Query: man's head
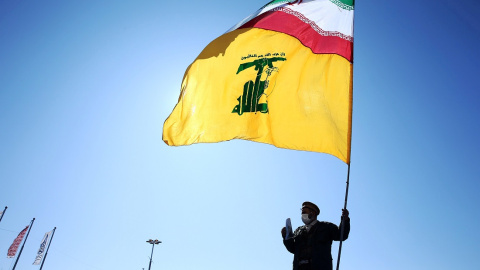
x: 309, y: 212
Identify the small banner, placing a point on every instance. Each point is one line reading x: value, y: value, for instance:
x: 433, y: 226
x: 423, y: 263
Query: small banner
x: 41, y: 250
x: 16, y: 243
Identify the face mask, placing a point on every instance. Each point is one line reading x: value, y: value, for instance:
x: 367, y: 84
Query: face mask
x: 305, y: 219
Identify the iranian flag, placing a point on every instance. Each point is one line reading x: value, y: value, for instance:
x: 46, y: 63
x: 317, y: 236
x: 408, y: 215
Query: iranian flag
x: 323, y: 26
x: 281, y: 76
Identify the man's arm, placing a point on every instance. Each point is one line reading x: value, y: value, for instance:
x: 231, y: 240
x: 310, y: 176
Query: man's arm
x: 290, y: 243
x: 346, y: 227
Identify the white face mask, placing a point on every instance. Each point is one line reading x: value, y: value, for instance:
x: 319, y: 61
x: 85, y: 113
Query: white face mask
x: 305, y: 219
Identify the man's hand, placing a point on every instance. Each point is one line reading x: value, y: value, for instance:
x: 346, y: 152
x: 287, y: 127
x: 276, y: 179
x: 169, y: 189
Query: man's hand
x: 284, y: 232
x: 344, y: 214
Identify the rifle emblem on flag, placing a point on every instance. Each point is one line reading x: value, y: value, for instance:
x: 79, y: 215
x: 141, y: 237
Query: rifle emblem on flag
x: 253, y: 92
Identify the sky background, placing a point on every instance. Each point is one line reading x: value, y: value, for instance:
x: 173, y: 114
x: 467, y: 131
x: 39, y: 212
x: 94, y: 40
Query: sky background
x: 85, y: 87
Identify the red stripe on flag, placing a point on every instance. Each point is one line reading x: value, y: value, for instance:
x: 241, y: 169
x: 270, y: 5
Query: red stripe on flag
x: 289, y: 24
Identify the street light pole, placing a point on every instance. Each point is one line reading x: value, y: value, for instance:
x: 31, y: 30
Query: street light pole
x: 153, y: 242
x: 151, y: 257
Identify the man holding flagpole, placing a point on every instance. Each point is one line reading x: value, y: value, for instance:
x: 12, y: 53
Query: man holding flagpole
x: 282, y: 76
x: 311, y: 244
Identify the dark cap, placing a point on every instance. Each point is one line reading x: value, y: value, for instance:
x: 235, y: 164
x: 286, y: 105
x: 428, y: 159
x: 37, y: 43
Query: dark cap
x: 312, y: 207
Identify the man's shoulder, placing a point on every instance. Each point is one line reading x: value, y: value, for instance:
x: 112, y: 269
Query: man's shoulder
x: 318, y: 223
x: 326, y: 224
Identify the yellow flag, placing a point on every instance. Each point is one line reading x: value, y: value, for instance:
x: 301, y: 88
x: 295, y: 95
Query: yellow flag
x: 277, y: 78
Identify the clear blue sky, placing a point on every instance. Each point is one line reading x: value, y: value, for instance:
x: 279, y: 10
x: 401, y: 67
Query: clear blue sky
x: 85, y: 87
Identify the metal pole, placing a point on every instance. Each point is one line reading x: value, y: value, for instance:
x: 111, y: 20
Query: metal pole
x: 150, y: 265
x: 349, y: 161
x: 46, y: 252
x: 342, y: 224
x: 3, y: 213
x: 26, y: 236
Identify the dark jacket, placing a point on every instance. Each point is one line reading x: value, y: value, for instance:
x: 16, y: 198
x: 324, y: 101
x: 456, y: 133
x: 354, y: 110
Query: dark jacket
x: 316, y: 244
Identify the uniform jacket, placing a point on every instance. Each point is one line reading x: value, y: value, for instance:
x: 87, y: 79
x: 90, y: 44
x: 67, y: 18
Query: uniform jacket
x: 315, y: 245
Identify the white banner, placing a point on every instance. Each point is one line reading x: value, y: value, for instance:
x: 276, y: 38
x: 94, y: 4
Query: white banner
x: 41, y: 250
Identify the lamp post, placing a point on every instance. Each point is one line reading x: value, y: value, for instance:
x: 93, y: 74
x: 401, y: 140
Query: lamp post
x: 153, y: 242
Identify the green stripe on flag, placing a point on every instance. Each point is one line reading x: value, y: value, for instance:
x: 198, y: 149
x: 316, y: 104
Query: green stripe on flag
x: 345, y: 4
x: 277, y: 2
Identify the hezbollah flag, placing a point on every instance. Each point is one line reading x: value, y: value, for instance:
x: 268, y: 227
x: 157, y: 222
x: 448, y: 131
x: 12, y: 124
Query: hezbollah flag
x: 282, y: 76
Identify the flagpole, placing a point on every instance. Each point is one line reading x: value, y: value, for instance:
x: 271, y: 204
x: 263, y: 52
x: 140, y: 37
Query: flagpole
x: 21, y: 249
x: 349, y: 160
x: 46, y: 252
x: 342, y: 225
x: 3, y: 213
